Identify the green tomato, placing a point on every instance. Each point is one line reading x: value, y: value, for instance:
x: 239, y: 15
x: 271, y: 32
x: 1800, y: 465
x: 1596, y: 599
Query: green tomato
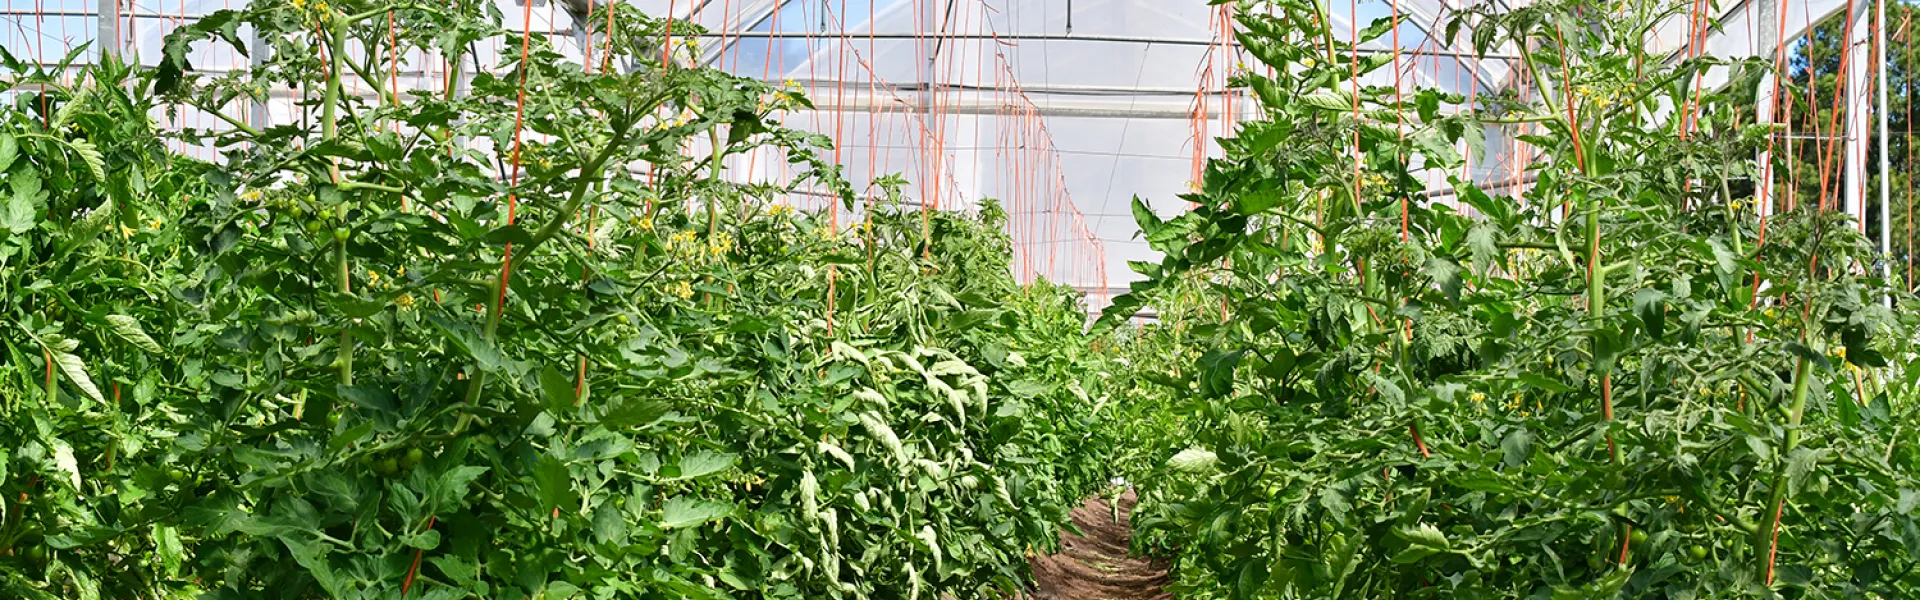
x: 411, y: 458
x: 1639, y: 537
x: 340, y: 234
x: 36, y: 553
x: 1697, y: 552
x: 386, y: 467
x: 177, y: 475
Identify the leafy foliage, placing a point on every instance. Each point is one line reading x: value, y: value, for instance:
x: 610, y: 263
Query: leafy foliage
x: 1619, y: 383
x: 437, y: 344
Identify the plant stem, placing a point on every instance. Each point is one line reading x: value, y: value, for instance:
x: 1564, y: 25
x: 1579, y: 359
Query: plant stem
x: 589, y: 173
x: 1596, y: 313
x: 1733, y: 227
x: 1779, y: 493
x: 330, y: 129
x: 373, y: 81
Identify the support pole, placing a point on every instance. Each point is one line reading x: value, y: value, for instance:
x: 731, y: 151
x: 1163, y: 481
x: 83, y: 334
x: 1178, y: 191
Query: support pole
x: 1769, y: 11
x: 107, y: 42
x: 1854, y: 186
x: 1886, y: 171
x: 257, y: 56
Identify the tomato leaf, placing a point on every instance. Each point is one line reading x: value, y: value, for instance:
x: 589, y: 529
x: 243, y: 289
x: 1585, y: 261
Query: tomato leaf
x: 22, y: 210
x: 369, y: 398
x: 557, y: 389
x: 1215, y: 372
x: 9, y: 150
x: 554, y: 483
x: 687, y: 511
x: 1650, y: 306
x: 129, y: 328
x: 633, y: 412
x: 76, y: 372
x: 1422, y: 541
x: 703, y: 463
x: 64, y: 463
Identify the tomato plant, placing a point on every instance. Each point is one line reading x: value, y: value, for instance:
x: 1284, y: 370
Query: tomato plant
x: 506, y: 340
x: 1618, y: 383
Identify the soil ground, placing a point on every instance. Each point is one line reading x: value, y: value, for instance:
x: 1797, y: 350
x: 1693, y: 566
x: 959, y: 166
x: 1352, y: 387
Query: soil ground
x: 1095, y: 565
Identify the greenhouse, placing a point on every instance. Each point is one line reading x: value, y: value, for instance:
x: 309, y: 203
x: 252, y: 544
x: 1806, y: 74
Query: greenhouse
x: 902, y: 299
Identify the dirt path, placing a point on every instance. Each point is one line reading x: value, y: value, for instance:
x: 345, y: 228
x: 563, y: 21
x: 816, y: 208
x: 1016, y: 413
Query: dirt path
x: 1096, y: 566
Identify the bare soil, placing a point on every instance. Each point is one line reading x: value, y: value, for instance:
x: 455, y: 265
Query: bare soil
x: 1096, y: 565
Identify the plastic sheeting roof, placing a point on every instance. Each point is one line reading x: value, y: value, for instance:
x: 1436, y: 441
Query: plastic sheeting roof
x: 1063, y: 109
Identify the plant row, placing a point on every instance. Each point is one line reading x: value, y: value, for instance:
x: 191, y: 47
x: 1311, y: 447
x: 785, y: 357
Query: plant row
x: 509, y: 340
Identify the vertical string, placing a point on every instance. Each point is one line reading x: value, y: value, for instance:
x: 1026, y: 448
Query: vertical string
x: 1353, y: 50
x: 513, y: 181
x: 1400, y: 125
x: 1762, y: 204
x: 1841, y: 83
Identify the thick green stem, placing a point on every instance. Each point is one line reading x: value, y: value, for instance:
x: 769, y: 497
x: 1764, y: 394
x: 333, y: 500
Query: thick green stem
x: 1733, y: 227
x: 330, y: 129
x: 1596, y: 314
x: 713, y: 174
x: 1779, y: 494
x: 1596, y: 281
x: 589, y: 173
x: 336, y: 62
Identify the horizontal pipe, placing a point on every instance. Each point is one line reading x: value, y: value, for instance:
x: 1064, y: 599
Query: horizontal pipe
x: 1056, y: 37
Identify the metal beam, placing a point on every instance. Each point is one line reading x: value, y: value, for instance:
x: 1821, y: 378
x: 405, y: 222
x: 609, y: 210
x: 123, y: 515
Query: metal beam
x: 1053, y: 89
x: 107, y: 41
x: 1886, y: 173
x: 862, y: 101
x: 1057, y: 37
